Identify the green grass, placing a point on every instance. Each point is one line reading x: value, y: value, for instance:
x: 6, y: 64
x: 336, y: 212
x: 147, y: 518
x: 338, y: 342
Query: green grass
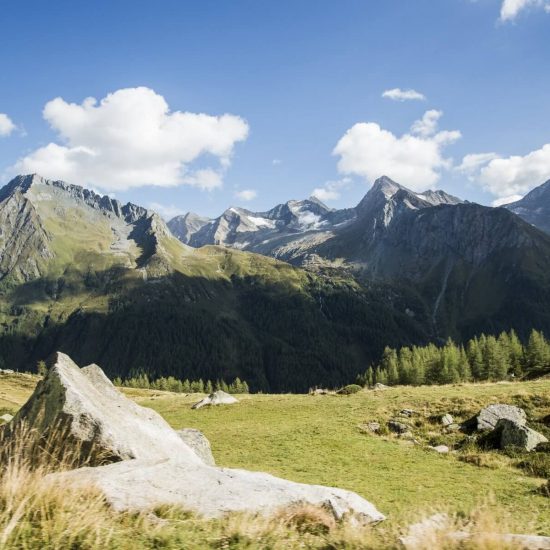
x: 316, y: 439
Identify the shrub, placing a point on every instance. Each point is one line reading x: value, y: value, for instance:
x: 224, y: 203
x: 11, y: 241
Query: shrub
x: 350, y: 389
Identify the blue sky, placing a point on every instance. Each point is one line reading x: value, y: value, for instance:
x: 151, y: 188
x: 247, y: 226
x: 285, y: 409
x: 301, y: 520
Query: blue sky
x: 303, y: 81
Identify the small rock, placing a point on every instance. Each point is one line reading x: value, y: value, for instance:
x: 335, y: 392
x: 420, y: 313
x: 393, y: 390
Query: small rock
x: 379, y: 386
x: 397, y: 427
x: 451, y: 428
x: 7, y: 371
x: 447, y: 420
x: 199, y: 443
x: 407, y: 413
x: 216, y: 398
x: 513, y: 434
x: 443, y: 449
x: 6, y: 418
x: 373, y: 427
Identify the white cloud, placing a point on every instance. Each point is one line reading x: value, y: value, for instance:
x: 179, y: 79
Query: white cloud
x: 510, y: 9
x: 397, y: 94
x: 6, y: 125
x: 514, y: 175
x: 472, y: 163
x: 331, y: 190
x: 276, y: 162
x: 166, y: 211
x: 246, y: 194
x: 506, y: 200
x: 131, y: 138
x: 414, y: 159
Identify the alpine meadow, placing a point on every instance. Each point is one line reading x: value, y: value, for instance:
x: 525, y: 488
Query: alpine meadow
x: 275, y: 275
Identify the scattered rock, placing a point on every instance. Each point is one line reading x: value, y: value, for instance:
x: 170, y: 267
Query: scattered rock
x: 7, y: 371
x: 6, y: 418
x: 407, y: 413
x: 199, y: 443
x: 488, y: 417
x: 216, y: 398
x: 379, y: 386
x: 438, y: 530
x: 513, y: 434
x: 447, y: 420
x: 443, y: 449
x: 373, y: 427
x: 451, y: 428
x: 397, y: 427
x: 80, y: 412
x: 320, y: 391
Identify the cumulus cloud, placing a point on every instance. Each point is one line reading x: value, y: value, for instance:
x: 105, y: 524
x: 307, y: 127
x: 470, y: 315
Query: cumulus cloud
x: 246, y: 194
x: 510, y: 9
x: 131, y: 138
x: 6, y: 125
x: 508, y: 176
x: 331, y: 190
x: 167, y: 211
x: 397, y: 94
x: 415, y: 159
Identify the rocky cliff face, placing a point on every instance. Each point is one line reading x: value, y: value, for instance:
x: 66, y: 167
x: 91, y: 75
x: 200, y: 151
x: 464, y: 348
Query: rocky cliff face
x: 45, y: 224
x: 534, y: 208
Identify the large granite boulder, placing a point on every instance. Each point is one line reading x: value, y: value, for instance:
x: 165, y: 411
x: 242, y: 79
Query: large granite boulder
x: 518, y: 435
x: 488, y: 417
x: 80, y: 410
x: 212, y: 492
x: 217, y: 398
x: 145, y: 463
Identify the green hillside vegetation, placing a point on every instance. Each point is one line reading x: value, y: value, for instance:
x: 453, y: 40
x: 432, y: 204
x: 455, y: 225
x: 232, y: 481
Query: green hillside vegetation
x: 322, y: 439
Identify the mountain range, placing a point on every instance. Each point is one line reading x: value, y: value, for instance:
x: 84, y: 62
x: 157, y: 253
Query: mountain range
x: 297, y: 296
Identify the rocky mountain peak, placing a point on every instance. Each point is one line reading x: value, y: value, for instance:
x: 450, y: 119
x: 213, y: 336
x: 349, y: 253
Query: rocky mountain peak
x: 534, y: 208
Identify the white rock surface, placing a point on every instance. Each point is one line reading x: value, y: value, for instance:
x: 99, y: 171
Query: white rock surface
x: 212, y: 492
x: 86, y: 407
x: 216, y: 398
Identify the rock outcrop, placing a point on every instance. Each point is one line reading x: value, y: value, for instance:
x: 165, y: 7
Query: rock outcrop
x: 216, y: 398
x: 146, y: 463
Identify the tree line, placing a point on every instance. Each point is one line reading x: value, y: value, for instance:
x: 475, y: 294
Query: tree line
x: 170, y: 383
x: 483, y: 358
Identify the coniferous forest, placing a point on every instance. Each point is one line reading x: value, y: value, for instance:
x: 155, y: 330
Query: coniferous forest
x: 483, y: 358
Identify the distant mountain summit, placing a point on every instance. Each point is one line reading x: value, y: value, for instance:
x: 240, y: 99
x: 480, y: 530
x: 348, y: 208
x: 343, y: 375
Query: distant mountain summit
x: 45, y: 224
x: 534, y: 208
x: 293, y: 231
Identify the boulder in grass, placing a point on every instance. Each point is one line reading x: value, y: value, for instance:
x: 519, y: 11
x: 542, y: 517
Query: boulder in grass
x: 145, y: 464
x: 517, y: 435
x: 447, y: 420
x: 80, y: 409
x: 216, y: 398
x: 487, y: 418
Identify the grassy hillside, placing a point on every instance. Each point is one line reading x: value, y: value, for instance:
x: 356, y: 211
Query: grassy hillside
x: 320, y: 439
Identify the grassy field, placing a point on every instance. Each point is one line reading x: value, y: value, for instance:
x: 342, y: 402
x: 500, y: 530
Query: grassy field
x: 319, y: 439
